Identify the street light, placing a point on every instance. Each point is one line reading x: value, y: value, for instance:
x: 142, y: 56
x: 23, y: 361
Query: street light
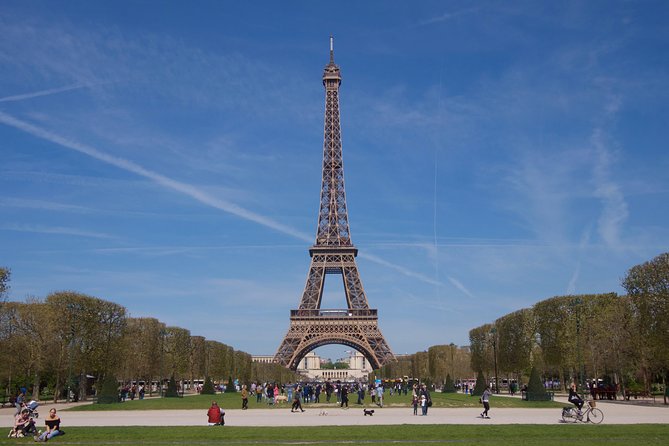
x: 493, y: 332
x: 581, y: 367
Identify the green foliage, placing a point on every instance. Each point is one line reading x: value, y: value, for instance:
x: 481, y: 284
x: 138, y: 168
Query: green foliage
x: 449, y: 385
x: 108, y: 392
x: 648, y: 288
x: 4, y: 282
x: 480, y: 384
x: 230, y: 387
x: 535, y: 388
x: 208, y: 387
x: 172, y: 390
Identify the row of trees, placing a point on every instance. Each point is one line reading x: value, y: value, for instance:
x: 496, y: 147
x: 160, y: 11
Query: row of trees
x: 574, y: 337
x: 432, y: 366
x: 70, y: 339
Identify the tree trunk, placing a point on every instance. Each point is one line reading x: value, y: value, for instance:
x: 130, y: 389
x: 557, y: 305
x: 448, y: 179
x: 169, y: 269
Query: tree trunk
x: 36, y: 387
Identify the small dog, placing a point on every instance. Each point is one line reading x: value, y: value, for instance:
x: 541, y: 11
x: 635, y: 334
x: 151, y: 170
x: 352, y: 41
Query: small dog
x: 369, y: 412
x: 280, y: 399
x: 323, y: 413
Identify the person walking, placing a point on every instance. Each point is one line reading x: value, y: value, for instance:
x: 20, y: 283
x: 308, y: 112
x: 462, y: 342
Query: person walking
x: 428, y: 398
x: 297, y: 403
x: 245, y: 397
x: 344, y: 396
x: 379, y: 395
x: 485, y: 399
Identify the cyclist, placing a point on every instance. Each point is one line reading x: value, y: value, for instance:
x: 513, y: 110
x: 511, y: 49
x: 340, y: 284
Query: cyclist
x: 574, y: 398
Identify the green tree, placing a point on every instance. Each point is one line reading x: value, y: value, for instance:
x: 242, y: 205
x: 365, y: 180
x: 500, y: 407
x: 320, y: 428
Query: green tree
x: 5, y: 274
x: 481, y: 348
x: 449, y: 385
x: 535, y: 388
x: 648, y: 287
x: 108, y: 393
x: 172, y: 389
x: 177, y: 351
x: 208, y: 387
x: 481, y: 384
x: 516, y: 339
x: 89, y: 332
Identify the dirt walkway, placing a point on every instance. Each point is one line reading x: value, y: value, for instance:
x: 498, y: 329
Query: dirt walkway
x: 614, y: 413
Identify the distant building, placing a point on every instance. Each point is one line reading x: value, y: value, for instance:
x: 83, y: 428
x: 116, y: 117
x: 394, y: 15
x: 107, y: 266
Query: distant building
x: 310, y: 366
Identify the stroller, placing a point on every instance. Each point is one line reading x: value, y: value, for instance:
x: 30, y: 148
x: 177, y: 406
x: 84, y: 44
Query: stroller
x: 32, y: 409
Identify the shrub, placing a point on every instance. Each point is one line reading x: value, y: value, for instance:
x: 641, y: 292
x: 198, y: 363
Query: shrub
x: 230, y: 387
x: 172, y: 390
x: 535, y: 388
x: 108, y: 392
x: 449, y: 386
x: 480, y: 384
x: 208, y: 387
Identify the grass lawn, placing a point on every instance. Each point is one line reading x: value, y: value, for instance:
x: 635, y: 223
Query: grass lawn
x: 528, y: 435
x: 234, y: 401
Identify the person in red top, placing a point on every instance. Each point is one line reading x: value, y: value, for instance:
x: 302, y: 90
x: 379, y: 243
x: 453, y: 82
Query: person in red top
x: 214, y: 414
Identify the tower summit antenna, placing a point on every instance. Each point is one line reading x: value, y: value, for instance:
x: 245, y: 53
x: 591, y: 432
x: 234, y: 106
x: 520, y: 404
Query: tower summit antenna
x: 331, y: 49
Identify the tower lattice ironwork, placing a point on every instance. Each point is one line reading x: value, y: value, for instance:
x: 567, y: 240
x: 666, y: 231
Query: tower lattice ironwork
x: 333, y: 254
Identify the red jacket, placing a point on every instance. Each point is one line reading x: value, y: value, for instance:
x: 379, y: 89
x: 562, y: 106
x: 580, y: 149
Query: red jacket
x: 214, y: 414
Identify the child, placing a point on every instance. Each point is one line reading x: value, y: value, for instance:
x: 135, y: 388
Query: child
x: 423, y: 404
x: 414, y: 401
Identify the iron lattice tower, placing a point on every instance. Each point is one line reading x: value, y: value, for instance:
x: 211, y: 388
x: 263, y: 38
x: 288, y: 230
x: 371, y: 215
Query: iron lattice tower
x: 333, y: 254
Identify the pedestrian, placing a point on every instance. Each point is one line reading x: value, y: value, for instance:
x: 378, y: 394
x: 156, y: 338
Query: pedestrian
x: 245, y: 397
x: 485, y: 399
x: 344, y: 396
x: 20, y: 399
x: 379, y: 395
x: 414, y: 402
x: 214, y: 415
x: 297, y: 404
x: 428, y: 398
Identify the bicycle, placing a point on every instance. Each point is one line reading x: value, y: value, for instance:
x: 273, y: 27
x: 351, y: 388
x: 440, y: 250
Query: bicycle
x: 591, y: 415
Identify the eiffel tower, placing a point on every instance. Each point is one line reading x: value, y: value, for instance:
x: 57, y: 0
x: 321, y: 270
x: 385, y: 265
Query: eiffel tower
x: 333, y: 253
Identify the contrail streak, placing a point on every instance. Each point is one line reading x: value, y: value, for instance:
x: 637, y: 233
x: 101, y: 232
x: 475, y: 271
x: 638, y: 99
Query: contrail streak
x: 183, y: 188
x: 167, y: 182
x: 37, y: 94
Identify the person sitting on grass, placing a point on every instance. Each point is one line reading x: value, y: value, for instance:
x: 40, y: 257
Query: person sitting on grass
x: 52, y: 423
x: 23, y: 425
x: 214, y: 415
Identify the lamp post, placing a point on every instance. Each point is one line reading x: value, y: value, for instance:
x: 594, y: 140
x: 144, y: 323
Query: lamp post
x: 493, y: 332
x: 581, y: 367
x: 162, y: 355
x: 70, y: 311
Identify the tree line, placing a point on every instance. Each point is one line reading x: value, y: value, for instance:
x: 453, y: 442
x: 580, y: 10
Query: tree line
x: 574, y: 338
x: 69, y: 340
x: 432, y: 366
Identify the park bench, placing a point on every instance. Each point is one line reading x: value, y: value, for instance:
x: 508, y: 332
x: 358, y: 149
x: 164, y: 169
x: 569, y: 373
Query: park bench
x: 636, y: 394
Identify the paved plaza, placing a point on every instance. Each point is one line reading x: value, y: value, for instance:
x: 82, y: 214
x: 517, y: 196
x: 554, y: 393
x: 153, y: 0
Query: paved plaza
x: 614, y: 413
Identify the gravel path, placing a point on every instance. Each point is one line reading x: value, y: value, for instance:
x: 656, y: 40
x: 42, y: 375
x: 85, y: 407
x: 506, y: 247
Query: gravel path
x: 614, y: 413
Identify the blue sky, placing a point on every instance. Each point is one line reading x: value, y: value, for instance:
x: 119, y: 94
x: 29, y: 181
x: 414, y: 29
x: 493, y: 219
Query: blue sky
x: 167, y: 156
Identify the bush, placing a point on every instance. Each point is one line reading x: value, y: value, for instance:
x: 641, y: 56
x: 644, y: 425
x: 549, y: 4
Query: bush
x: 208, y: 387
x: 108, y: 392
x: 230, y: 387
x: 535, y: 388
x: 449, y: 386
x: 172, y: 391
x: 480, y: 384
